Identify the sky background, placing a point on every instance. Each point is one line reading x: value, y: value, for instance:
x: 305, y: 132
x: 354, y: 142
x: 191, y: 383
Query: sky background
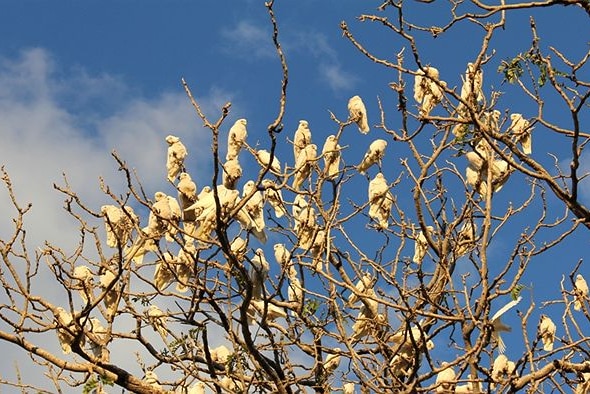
x: 79, y: 79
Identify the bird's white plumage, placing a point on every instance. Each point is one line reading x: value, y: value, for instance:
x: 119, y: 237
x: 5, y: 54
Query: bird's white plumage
x: 232, y: 172
x: 331, y: 155
x: 373, y: 155
x: 236, y: 139
x: 498, y: 326
x: 175, y: 158
x: 358, y: 113
x: 580, y: 291
x: 522, y: 132
x: 428, y: 89
x: 301, y: 138
x: 547, y: 332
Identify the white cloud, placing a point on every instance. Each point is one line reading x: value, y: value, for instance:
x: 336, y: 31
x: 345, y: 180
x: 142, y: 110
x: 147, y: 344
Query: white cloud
x: 247, y: 40
x: 336, y: 77
x: 42, y: 136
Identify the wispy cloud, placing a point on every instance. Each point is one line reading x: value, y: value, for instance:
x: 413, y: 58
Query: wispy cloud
x: 248, y: 40
x: 45, y: 133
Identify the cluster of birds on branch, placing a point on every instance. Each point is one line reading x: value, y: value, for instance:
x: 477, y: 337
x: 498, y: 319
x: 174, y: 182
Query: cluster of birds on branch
x: 191, y: 218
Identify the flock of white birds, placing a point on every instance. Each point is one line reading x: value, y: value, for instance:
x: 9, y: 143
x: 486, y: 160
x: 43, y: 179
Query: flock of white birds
x: 191, y: 218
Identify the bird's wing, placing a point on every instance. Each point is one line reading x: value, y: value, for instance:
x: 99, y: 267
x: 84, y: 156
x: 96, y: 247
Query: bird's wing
x: 505, y: 308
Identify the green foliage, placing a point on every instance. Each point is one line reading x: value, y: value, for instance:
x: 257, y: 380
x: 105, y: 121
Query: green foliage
x: 311, y: 307
x: 95, y: 383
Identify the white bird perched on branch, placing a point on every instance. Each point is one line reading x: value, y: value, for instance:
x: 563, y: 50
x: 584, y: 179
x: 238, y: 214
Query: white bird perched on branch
x: 502, y: 368
x: 232, y: 172
x: 267, y: 310
x: 547, y: 332
x: 380, y: 200
x: 299, y: 203
x: 348, y: 388
x: 185, y: 262
x: 332, y: 361
x: 412, y: 338
x: 111, y: 298
x: 86, y: 278
x: 236, y: 139
x: 66, y: 330
x: 119, y: 223
x: 580, y: 292
x: 362, y: 286
x: 143, y: 244
x: 99, y: 337
x: 175, y: 159
x: 255, y: 204
x: 158, y: 320
x: 187, y: 194
x: 476, y: 173
x: 498, y: 326
x: 446, y: 379
x: 274, y: 196
x: 331, y: 154
x: 358, y: 113
x: 303, y: 165
x: 521, y: 130
x: 152, y: 379
x: 164, y: 272
x: 428, y: 89
x: 373, y: 155
x: 469, y: 387
x: 258, y: 273
x: 220, y: 354
x: 421, y: 245
x: 161, y: 214
x: 263, y: 158
x: 295, y: 290
x: 465, y: 238
x: 239, y: 246
x: 301, y: 138
x: 197, y: 388
x: 282, y: 256
x: 472, y: 85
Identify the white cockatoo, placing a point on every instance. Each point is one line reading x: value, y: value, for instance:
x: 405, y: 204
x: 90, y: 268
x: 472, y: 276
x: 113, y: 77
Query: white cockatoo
x: 175, y: 159
x: 232, y: 172
x: 298, y: 204
x: 491, y: 120
x: 348, y: 388
x: 187, y: 194
x: 160, y: 215
x: 446, y: 379
x: 547, y: 332
x: 263, y: 158
x: 152, y: 379
x: 268, y: 310
x: 236, y: 139
x: 239, y: 246
x: 158, y: 320
x: 111, y: 298
x: 304, y: 221
x: 220, y: 354
x: 301, y: 138
x: 318, y: 247
x: 258, y: 273
x: 197, y: 388
x: 363, y: 285
x: 255, y: 204
x: 476, y: 173
x: 142, y: 245
x: 412, y: 338
x: 66, y: 329
x: 358, y: 113
x: 119, y: 223
x: 373, y: 155
x: 465, y: 238
x: 521, y: 130
x: 469, y: 387
x: 99, y: 337
x: 85, y: 285
x: 428, y: 89
x: 184, y: 266
x: 303, y: 165
x: 332, y: 361
x: 421, y: 245
x: 380, y: 200
x: 282, y: 255
x: 274, y: 196
x: 368, y: 317
x: 165, y: 271
x: 472, y: 85
x: 498, y: 326
x: 580, y: 291
x: 502, y: 368
x: 331, y: 155
x: 172, y: 228
x: 295, y: 290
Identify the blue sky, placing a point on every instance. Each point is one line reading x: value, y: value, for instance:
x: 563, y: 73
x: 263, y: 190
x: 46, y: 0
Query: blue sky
x: 78, y: 79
